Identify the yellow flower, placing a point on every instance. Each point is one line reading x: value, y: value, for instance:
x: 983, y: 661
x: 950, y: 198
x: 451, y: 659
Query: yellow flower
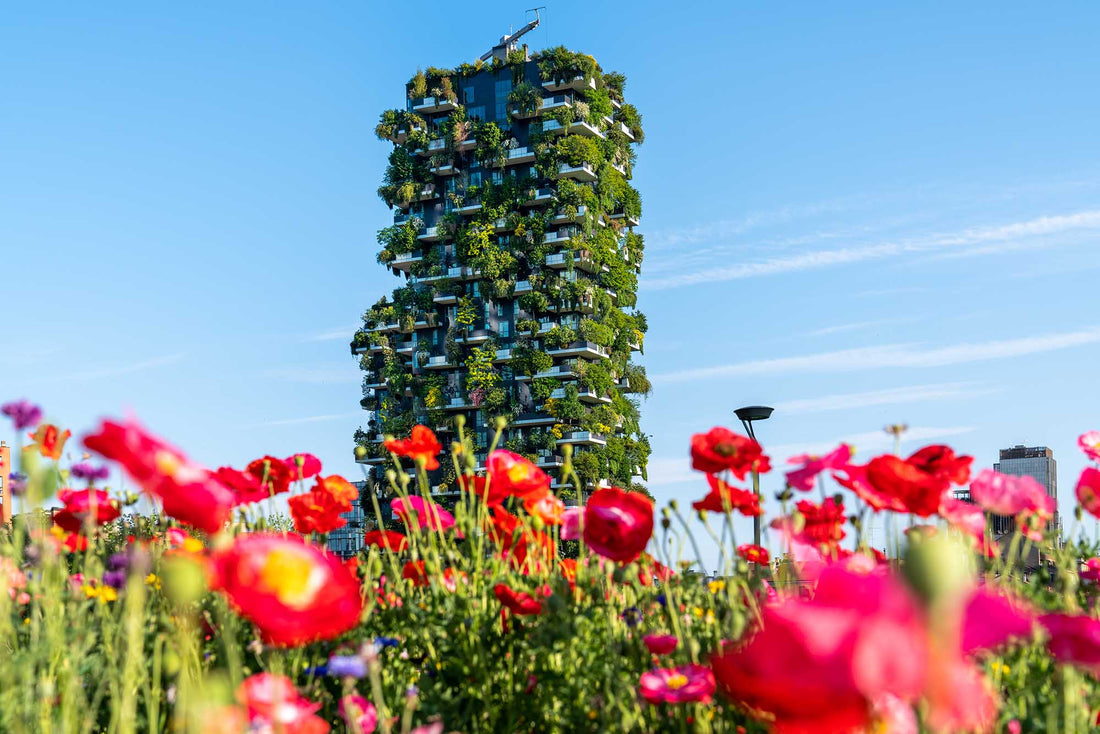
x: 716, y: 586
x: 153, y: 580
x: 103, y: 593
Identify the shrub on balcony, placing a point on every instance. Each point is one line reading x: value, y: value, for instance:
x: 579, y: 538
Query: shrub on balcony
x: 418, y: 85
x: 595, y: 332
x: 628, y: 115
x: 615, y: 82
x: 534, y: 302
x: 526, y: 98
x: 543, y: 387
x: 490, y: 149
x: 578, y: 149
x: 559, y: 64
x: 559, y: 337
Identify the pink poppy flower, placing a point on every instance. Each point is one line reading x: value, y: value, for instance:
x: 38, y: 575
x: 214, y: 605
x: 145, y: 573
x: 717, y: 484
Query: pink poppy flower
x: 571, y: 524
x: 1092, y: 570
x: 803, y: 478
x: 661, y: 644
x: 1090, y: 443
x: 310, y: 466
x: 435, y: 517
x: 990, y: 619
x: 965, y: 517
x: 960, y: 698
x: 685, y: 684
x: 1074, y: 639
x: 1002, y: 494
x: 359, y: 714
x: 1088, y: 491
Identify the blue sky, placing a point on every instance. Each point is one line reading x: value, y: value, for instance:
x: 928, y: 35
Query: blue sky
x: 856, y: 213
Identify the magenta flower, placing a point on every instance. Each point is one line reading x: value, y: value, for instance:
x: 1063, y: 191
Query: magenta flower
x: 1092, y: 570
x: 803, y: 478
x: 1088, y: 491
x: 685, y: 684
x: 991, y: 619
x: 23, y: 413
x: 965, y: 517
x: 303, y: 466
x: 1074, y: 639
x: 1002, y: 494
x: 359, y: 714
x: 1090, y: 443
x: 435, y: 518
x: 661, y: 644
x: 571, y: 524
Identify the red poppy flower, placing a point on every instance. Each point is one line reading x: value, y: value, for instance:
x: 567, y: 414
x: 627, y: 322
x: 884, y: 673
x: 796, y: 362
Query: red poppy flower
x: 753, y: 553
x: 245, y: 487
x: 493, y: 494
x: 649, y: 568
x: 618, y: 524
x: 88, y: 505
x: 50, y: 440
x: 415, y: 571
x: 819, y: 665
x: 720, y: 449
x: 661, y: 644
x: 272, y: 703
x: 744, y: 501
x: 824, y: 523
x: 421, y: 446
x: 387, y: 539
x: 511, y: 473
x: 316, y: 512
x: 518, y: 602
x: 941, y: 461
x: 272, y: 474
x: 916, y: 484
x: 343, y: 492
x: 303, y: 466
x: 291, y: 590
x: 188, y: 492
x: 545, y: 506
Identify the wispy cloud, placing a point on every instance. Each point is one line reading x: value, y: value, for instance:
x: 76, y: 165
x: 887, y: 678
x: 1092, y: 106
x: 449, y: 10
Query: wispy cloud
x: 117, y: 371
x: 856, y: 326
x: 342, y: 332
x: 299, y: 421
x: 891, y: 355
x: 892, y: 396
x: 973, y: 241
x: 677, y: 470
x: 317, y: 375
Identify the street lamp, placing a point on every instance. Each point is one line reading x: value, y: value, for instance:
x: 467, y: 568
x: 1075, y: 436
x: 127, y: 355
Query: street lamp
x: 747, y: 415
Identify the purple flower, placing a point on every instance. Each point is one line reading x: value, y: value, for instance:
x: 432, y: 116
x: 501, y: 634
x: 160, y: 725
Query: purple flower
x: 17, y: 483
x: 119, y: 562
x: 84, y: 470
x: 114, y: 579
x: 23, y: 413
x: 347, y: 666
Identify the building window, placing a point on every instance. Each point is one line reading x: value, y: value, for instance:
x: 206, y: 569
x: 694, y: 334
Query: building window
x: 467, y: 95
x: 476, y: 291
x: 475, y: 178
x: 503, y: 88
x: 476, y: 113
x: 498, y: 178
x: 500, y: 310
x: 505, y: 329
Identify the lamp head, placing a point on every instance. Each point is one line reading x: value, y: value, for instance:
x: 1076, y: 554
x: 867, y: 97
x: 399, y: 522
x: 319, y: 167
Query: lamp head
x: 753, y: 413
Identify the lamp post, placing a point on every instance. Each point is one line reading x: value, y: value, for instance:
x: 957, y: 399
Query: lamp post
x: 747, y: 415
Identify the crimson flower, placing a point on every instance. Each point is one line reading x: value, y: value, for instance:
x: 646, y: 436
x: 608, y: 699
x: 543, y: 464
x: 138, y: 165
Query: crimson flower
x: 1088, y: 491
x: 50, y: 440
x: 721, y: 494
x: 491, y: 493
x: 88, y: 505
x: 661, y: 644
x: 421, y: 446
x: 188, y: 492
x: 1089, y: 442
x: 916, y: 484
x: 387, y: 539
x: 358, y: 713
x: 824, y: 523
x: 424, y: 514
x: 992, y: 618
x: 343, y: 492
x: 965, y: 517
x: 753, y: 553
x: 23, y: 413
x: 291, y: 590
x: 618, y: 524
x: 820, y: 665
x: 272, y: 703
x: 720, y: 449
x: 685, y: 684
x: 272, y: 474
x: 245, y: 487
x: 519, y: 603
x: 303, y: 466
x: 416, y: 572
x: 803, y: 477
x: 1092, y: 570
x: 1074, y: 639
x: 511, y: 473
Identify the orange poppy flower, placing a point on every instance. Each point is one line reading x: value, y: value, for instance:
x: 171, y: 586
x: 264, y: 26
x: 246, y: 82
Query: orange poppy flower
x: 50, y: 440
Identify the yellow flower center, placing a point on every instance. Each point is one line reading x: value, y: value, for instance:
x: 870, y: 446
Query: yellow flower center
x: 291, y: 577
x: 517, y: 472
x: 677, y: 681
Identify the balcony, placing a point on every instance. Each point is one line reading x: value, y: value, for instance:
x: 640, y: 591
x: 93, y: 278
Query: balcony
x: 405, y: 261
x: 464, y: 145
x: 445, y: 299
x: 577, y: 84
x: 552, y: 127
x: 581, y: 127
x: 372, y: 460
x: 476, y: 336
x: 503, y: 355
x: 550, y: 461
x: 433, y: 105
x: 444, y: 169
x: 584, y: 172
x: 583, y: 438
x: 556, y: 102
x: 540, y: 196
x: 438, y: 363
x: 620, y: 169
x: 581, y: 259
x: 533, y: 419
x: 430, y: 234
x: 625, y: 131
x: 428, y: 192
x: 591, y: 396
x: 406, y: 348
x: 437, y: 146
x: 471, y: 207
x: 516, y: 156
x: 501, y: 225
x: 522, y: 286
x: 588, y: 350
x: 558, y: 237
x: 563, y: 217
x: 629, y: 219
x: 459, y: 403
x: 427, y: 321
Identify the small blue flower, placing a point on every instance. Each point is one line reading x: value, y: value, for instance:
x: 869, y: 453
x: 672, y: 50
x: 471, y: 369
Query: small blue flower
x: 632, y: 615
x: 347, y: 666
x: 384, y: 642
x: 662, y: 600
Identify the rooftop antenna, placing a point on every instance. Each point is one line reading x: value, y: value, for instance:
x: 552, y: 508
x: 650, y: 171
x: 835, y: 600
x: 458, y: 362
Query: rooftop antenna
x: 508, y: 42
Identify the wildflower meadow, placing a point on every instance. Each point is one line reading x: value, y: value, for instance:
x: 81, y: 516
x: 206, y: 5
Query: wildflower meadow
x: 511, y: 611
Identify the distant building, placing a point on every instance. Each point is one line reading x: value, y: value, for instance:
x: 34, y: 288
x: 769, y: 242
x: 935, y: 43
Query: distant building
x: 5, y: 479
x: 346, y: 541
x: 1036, y: 462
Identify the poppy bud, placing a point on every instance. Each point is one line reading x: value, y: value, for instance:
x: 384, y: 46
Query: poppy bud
x: 130, y: 498
x: 500, y: 423
x: 460, y: 421
x: 567, y: 451
x: 360, y: 452
x: 938, y: 568
x: 785, y: 495
x: 674, y: 505
x: 184, y: 580
x: 666, y: 523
